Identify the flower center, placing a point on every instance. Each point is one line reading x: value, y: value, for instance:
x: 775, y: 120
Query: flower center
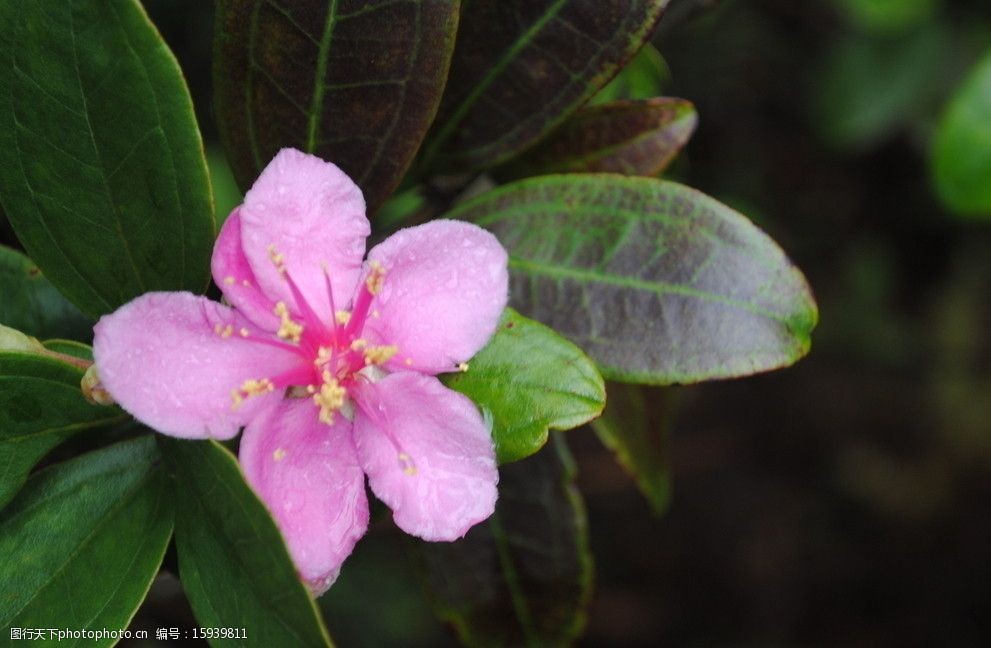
x: 336, y: 354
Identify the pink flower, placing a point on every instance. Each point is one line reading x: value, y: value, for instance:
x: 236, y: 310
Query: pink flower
x: 327, y: 362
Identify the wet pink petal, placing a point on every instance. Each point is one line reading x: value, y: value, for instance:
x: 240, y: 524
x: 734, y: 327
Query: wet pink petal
x: 173, y: 359
x: 445, y: 286
x: 313, y: 215
x: 234, y: 276
x: 308, y: 475
x: 428, y: 455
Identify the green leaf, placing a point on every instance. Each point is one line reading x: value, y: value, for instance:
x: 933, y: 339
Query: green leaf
x: 643, y: 78
x: 102, y: 173
x: 29, y: 302
x: 869, y: 87
x: 638, y: 435
x: 962, y: 147
x: 523, y: 577
x: 70, y: 348
x: 657, y: 282
x: 530, y: 380
x: 627, y: 137
x: 522, y: 66
x: 41, y: 405
x: 83, y: 542
x: 888, y: 16
x: 355, y: 82
x: 226, y: 194
x: 233, y: 562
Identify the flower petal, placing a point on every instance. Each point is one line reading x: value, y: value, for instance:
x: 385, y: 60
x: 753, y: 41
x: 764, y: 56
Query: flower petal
x: 307, y: 474
x: 446, y: 284
x: 234, y: 276
x: 311, y: 213
x: 428, y: 455
x: 173, y: 359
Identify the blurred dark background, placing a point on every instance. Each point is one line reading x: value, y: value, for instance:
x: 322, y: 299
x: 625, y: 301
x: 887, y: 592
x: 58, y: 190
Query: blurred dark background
x: 843, y: 501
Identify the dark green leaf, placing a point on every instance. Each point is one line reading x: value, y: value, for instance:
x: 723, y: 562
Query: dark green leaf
x: 643, y: 78
x: 530, y: 380
x: 962, y: 148
x: 627, y: 137
x: 656, y: 281
x: 102, y: 172
x: 84, y: 540
x: 356, y: 82
x: 525, y: 576
x: 29, y: 302
x: 233, y: 563
x: 41, y: 405
x: 522, y: 66
x: 639, y: 437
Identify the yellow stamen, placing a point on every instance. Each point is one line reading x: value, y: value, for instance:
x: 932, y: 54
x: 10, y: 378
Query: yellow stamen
x: 279, y: 454
x: 223, y: 331
x: 250, y: 388
x: 229, y: 281
x: 323, y: 356
x: 359, y: 344
x: 407, y: 463
x: 342, y: 317
x: 377, y: 355
x: 244, y: 332
x: 330, y: 398
x: 288, y: 329
x: 376, y: 277
x: 463, y: 366
x: 277, y: 259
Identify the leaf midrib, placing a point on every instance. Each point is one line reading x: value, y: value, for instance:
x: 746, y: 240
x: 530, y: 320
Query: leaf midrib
x: 319, y: 80
x: 656, y: 287
x: 490, y: 76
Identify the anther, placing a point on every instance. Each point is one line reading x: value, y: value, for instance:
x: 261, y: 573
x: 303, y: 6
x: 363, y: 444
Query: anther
x: 250, y: 388
x: 378, y: 355
x: 288, y: 329
x: 406, y: 462
x: 376, y: 277
x: 277, y: 259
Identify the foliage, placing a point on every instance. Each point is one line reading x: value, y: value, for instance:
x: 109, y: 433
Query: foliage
x: 104, y: 180
x: 962, y: 146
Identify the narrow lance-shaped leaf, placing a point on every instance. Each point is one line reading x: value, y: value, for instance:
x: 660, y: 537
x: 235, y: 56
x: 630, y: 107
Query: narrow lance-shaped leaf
x: 83, y: 542
x: 102, y: 173
x: 233, y: 563
x: 657, y: 282
x: 529, y: 380
x: 524, y: 577
x: 41, y: 405
x: 627, y: 137
x: 637, y: 429
x: 522, y: 66
x: 30, y: 303
x: 962, y: 148
x: 356, y: 82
